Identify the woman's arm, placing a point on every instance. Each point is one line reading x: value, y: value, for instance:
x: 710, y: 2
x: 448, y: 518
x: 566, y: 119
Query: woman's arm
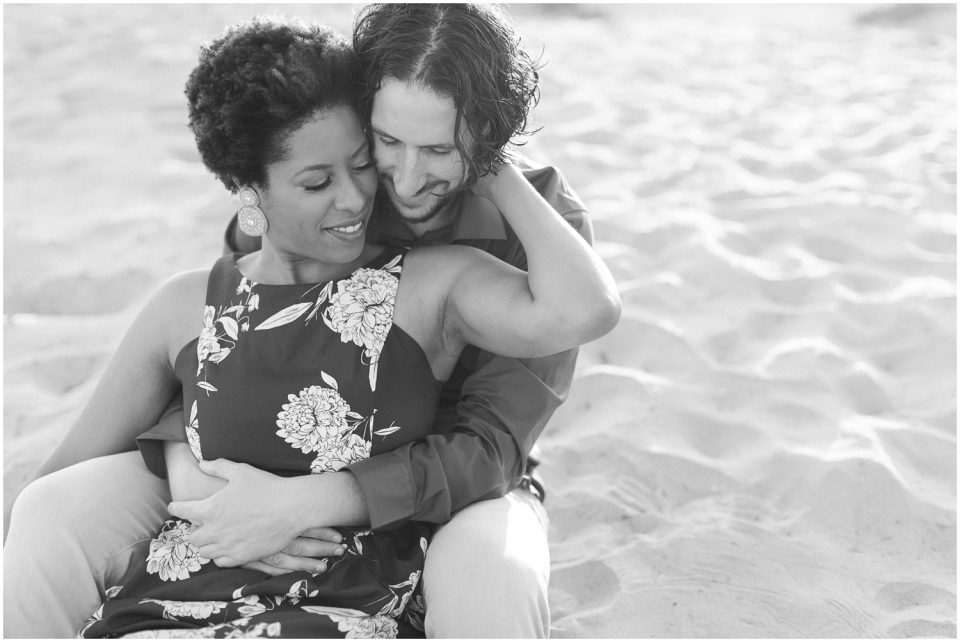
x: 139, y: 381
x: 136, y: 385
x: 187, y: 481
x: 566, y: 297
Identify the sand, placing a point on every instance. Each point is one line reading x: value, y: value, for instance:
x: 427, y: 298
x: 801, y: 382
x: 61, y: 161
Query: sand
x: 764, y: 447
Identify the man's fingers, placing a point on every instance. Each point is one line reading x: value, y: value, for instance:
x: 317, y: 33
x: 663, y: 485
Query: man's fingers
x: 280, y: 563
x: 223, y: 468
x: 225, y: 562
x: 326, y: 534
x: 200, y: 538
x: 265, y: 568
x: 210, y: 553
x: 307, y: 547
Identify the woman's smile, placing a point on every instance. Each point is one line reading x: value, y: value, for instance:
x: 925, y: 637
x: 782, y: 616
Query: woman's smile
x: 351, y: 231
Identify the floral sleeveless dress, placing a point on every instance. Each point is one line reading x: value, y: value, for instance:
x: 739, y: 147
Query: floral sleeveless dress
x: 292, y: 379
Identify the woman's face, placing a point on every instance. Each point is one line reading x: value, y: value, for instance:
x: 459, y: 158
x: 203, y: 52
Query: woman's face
x: 320, y: 196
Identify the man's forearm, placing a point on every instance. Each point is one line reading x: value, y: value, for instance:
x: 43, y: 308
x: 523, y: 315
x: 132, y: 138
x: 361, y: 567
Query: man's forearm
x: 328, y: 499
x: 479, y: 445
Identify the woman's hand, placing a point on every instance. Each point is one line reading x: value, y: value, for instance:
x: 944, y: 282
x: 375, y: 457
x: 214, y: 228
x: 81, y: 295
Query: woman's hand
x: 276, y: 523
x: 249, y: 519
x: 496, y: 181
x: 566, y: 297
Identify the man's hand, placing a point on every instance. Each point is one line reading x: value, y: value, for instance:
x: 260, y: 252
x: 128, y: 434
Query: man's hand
x: 303, y: 554
x: 251, y: 518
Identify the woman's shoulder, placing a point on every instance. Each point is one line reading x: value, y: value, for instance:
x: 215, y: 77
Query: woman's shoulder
x: 179, y: 297
x: 184, y: 286
x: 165, y: 322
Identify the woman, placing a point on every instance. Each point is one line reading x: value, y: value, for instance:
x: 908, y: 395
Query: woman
x: 319, y: 349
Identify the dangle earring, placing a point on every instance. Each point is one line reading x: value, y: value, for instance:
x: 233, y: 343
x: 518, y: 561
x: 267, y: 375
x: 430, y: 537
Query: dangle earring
x: 250, y: 217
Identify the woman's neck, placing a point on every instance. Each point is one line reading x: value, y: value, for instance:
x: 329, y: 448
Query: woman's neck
x: 271, y: 267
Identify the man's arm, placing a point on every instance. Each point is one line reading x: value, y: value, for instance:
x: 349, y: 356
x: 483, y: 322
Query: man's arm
x: 479, y: 448
x: 478, y: 452
x: 492, y: 410
x: 257, y: 514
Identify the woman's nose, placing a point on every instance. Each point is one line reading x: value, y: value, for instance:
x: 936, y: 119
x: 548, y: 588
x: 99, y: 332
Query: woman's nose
x: 352, y: 197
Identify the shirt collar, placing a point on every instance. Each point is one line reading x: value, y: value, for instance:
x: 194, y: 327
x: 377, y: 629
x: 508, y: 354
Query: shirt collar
x: 475, y: 218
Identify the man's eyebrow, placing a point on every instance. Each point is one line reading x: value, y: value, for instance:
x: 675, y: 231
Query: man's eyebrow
x: 380, y: 132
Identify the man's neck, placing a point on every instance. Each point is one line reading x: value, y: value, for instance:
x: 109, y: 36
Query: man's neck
x: 444, y: 218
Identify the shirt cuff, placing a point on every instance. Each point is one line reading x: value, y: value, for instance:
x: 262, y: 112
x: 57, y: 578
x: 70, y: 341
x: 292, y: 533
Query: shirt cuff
x: 386, y: 484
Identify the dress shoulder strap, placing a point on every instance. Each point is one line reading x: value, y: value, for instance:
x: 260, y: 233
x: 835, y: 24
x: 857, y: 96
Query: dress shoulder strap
x: 223, y: 279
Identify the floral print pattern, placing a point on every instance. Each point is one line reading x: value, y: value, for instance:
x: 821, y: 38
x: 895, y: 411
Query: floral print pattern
x: 311, y: 420
x: 172, y: 555
x: 300, y: 589
x: 402, y: 593
x: 237, y: 629
x: 251, y: 604
x: 357, y: 624
x: 193, y: 437
x: 173, y: 609
x: 362, y: 311
x: 318, y: 420
x: 174, y: 584
x: 98, y: 614
x: 222, y: 327
x: 351, y: 449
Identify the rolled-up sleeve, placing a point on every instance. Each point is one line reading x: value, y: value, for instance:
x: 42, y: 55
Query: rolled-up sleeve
x: 492, y: 410
x: 479, y: 446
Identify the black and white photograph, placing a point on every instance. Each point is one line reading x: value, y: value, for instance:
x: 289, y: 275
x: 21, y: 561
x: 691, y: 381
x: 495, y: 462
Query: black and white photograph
x: 479, y: 320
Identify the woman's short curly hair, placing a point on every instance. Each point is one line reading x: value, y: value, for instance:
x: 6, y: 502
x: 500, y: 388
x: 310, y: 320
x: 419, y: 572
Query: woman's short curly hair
x: 466, y: 51
x: 259, y: 82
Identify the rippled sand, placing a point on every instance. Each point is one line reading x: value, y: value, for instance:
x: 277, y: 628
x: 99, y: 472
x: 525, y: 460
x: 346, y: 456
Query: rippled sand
x: 765, y: 446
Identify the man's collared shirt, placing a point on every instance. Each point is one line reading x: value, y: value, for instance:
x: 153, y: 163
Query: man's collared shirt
x: 493, y: 408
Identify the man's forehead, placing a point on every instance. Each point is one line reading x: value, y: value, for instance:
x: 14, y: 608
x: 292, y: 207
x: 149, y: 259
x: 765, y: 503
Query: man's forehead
x: 413, y: 113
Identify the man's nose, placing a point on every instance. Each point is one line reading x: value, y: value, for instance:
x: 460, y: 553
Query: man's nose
x: 408, y: 176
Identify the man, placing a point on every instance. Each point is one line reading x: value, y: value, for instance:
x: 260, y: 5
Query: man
x: 447, y: 88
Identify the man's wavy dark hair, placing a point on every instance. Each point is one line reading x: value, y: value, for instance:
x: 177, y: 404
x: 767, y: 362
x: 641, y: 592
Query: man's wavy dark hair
x: 468, y: 52
x: 258, y: 83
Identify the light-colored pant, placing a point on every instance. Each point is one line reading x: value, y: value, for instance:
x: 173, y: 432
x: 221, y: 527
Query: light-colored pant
x: 72, y: 534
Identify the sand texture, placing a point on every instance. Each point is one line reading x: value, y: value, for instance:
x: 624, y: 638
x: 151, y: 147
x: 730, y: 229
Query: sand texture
x: 764, y: 447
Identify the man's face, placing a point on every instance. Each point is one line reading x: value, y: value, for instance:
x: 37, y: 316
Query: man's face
x: 413, y: 145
